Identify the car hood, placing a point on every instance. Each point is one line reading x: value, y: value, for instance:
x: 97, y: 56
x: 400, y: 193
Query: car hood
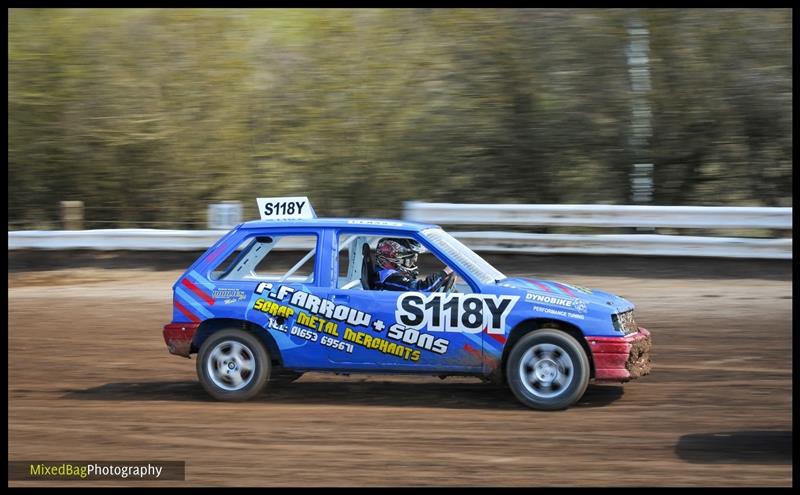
x: 541, y: 290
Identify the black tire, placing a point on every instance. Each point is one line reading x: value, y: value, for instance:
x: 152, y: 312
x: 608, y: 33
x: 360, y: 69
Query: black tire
x: 242, y: 349
x: 547, y: 369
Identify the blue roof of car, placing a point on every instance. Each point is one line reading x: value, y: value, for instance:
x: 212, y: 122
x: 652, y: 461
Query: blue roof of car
x: 382, y: 223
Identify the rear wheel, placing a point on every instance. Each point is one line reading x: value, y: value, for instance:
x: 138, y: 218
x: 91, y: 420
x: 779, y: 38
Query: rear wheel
x: 233, y: 365
x: 547, y: 369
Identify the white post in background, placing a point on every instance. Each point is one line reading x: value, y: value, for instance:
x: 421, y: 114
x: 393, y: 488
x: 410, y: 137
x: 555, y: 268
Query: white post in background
x: 225, y: 215
x: 641, y: 114
x: 72, y: 215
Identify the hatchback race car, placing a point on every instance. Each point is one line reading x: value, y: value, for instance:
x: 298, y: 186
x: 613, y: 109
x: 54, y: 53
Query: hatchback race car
x: 291, y: 293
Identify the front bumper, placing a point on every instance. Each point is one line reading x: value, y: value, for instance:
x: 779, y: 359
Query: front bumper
x: 621, y: 359
x: 179, y: 336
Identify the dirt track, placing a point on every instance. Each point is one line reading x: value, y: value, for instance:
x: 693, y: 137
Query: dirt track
x: 90, y: 379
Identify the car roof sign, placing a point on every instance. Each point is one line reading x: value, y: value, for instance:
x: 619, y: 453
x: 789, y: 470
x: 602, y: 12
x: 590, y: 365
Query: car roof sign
x: 286, y: 208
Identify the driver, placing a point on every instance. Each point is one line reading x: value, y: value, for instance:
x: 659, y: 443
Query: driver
x: 397, y: 268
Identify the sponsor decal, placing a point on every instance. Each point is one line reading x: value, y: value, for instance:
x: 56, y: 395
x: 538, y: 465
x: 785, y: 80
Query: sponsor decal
x: 559, y: 312
x: 580, y: 306
x: 230, y: 296
x: 419, y: 339
x: 277, y: 314
x: 322, y: 321
x: 316, y: 305
x: 336, y: 344
x: 419, y: 317
x: 375, y: 222
x: 573, y: 303
x: 319, y: 324
x: 274, y: 309
x: 325, y: 340
x: 381, y: 345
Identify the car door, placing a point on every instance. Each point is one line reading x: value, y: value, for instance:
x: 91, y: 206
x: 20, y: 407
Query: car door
x: 262, y: 282
x: 400, y: 330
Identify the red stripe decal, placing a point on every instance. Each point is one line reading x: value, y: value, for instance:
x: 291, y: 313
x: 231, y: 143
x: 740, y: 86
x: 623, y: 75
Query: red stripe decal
x: 496, y: 336
x: 205, y: 297
x: 185, y: 311
x: 485, y: 359
x: 565, y: 289
x: 541, y: 285
x: 214, y: 254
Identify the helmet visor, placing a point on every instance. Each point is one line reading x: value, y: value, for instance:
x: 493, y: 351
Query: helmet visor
x: 408, y: 260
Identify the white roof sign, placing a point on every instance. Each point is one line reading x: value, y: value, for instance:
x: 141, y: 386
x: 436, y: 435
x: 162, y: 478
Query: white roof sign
x: 292, y: 208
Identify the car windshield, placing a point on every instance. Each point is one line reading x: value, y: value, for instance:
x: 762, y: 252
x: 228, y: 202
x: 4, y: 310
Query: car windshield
x: 455, y: 250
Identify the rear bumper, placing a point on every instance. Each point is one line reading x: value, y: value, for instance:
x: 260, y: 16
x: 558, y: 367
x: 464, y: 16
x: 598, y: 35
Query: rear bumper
x: 179, y: 336
x: 620, y: 359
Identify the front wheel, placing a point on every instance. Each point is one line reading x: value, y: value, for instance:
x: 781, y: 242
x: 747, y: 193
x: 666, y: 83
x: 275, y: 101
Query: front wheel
x: 233, y: 365
x: 547, y: 369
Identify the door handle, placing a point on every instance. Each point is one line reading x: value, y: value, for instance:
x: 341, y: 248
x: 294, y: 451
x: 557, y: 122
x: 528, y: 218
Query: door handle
x: 341, y: 297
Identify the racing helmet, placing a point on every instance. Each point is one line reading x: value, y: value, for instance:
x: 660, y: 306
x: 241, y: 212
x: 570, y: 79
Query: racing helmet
x: 399, y: 254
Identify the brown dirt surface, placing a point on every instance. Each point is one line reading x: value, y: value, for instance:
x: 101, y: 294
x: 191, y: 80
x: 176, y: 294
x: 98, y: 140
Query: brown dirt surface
x: 90, y: 379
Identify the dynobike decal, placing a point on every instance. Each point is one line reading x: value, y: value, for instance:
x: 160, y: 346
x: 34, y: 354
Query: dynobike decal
x: 468, y: 313
x: 574, y: 304
x: 558, y: 312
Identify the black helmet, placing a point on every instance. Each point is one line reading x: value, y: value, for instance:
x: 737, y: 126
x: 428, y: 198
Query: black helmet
x: 399, y: 254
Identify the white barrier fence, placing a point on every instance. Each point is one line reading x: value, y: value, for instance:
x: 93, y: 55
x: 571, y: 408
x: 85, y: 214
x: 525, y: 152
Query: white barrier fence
x: 506, y: 242
x: 115, y: 239
x: 623, y: 244
x: 687, y: 217
x: 128, y: 239
x: 694, y: 217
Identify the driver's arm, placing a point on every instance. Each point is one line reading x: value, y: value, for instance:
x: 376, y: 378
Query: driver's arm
x: 398, y: 281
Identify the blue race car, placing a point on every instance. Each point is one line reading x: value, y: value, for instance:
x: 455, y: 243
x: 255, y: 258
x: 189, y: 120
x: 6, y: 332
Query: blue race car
x: 257, y: 313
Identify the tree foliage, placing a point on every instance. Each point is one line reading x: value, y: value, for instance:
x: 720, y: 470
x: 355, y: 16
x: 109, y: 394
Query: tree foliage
x: 147, y: 115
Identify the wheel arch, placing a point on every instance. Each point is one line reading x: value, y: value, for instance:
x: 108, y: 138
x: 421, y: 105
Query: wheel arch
x: 213, y: 325
x: 533, y: 324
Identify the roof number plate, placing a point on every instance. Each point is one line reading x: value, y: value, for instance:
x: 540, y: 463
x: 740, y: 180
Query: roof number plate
x: 294, y: 208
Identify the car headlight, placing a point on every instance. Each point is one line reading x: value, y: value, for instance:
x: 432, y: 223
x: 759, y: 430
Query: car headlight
x: 624, y: 322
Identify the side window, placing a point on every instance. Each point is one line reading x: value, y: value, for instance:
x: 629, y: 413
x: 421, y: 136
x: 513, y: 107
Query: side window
x: 352, y: 263
x: 225, y: 265
x: 287, y: 258
x: 351, y: 260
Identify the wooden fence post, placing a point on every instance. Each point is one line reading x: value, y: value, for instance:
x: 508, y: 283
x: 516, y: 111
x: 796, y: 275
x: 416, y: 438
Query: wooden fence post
x: 72, y: 215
